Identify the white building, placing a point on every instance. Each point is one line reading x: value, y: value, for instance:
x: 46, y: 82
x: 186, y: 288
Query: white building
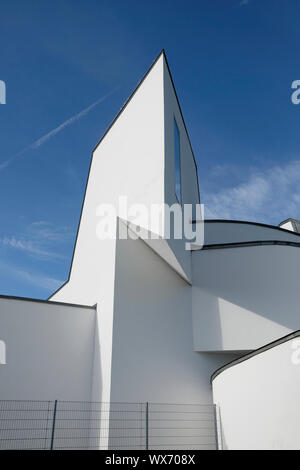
x: 142, y: 320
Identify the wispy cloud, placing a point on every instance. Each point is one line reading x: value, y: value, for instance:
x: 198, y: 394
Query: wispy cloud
x: 46, y: 231
x: 243, y: 3
x: 38, y: 280
x: 70, y: 121
x: 40, y: 239
x: 35, y: 279
x: 28, y: 247
x: 37, y: 143
x: 266, y: 196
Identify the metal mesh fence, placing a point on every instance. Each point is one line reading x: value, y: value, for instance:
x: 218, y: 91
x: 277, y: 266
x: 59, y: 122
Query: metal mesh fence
x: 96, y: 425
x: 26, y: 424
x: 181, y: 426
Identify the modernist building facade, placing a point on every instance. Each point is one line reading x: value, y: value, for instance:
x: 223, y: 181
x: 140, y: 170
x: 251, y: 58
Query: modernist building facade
x: 148, y: 320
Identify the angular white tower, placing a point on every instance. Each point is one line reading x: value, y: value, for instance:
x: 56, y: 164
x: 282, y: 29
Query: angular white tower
x: 136, y: 158
x: 145, y: 156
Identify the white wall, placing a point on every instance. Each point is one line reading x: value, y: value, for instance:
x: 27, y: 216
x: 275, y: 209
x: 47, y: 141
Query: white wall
x: 49, y: 350
x: 153, y: 357
x: 258, y: 400
x: 244, y: 297
x: 152, y: 354
x: 134, y: 159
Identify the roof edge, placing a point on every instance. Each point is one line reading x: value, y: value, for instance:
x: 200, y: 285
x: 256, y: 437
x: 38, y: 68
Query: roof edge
x: 49, y: 302
x: 254, y: 353
x: 140, y: 82
x: 184, y: 124
x: 259, y: 224
x: 247, y: 244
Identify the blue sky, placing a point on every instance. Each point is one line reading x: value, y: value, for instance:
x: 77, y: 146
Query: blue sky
x: 233, y: 62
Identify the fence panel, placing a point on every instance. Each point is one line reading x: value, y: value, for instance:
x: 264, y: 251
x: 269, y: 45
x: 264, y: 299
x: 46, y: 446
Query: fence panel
x: 25, y: 424
x: 97, y: 425
x: 127, y: 426
x: 181, y: 426
x: 74, y: 423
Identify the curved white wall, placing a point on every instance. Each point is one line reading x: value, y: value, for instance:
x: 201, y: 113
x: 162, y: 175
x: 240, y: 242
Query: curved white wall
x: 244, y: 297
x: 258, y: 400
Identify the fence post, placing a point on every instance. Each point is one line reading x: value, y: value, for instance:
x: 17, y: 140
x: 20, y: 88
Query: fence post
x: 216, y: 426
x: 53, y: 425
x: 147, y: 426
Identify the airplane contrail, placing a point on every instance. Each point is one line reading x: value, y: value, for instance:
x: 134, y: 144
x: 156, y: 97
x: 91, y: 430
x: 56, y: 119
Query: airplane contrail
x: 37, y: 143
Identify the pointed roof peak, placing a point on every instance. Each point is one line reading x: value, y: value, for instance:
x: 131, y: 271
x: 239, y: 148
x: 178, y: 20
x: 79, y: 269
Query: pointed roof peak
x: 162, y: 53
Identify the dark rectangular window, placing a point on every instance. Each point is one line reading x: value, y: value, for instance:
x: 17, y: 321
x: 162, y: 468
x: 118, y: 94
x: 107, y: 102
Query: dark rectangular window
x: 177, y: 162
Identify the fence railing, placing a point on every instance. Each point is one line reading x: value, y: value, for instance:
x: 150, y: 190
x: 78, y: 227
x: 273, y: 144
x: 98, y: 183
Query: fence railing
x: 56, y: 424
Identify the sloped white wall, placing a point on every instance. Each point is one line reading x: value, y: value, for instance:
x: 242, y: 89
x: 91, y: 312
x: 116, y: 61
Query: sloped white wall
x: 258, y: 401
x: 49, y: 351
x: 129, y: 162
x: 189, y: 183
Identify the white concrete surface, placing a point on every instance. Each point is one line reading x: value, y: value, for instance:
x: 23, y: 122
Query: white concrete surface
x: 153, y: 358
x: 258, y: 401
x: 49, y: 350
x: 244, y: 297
